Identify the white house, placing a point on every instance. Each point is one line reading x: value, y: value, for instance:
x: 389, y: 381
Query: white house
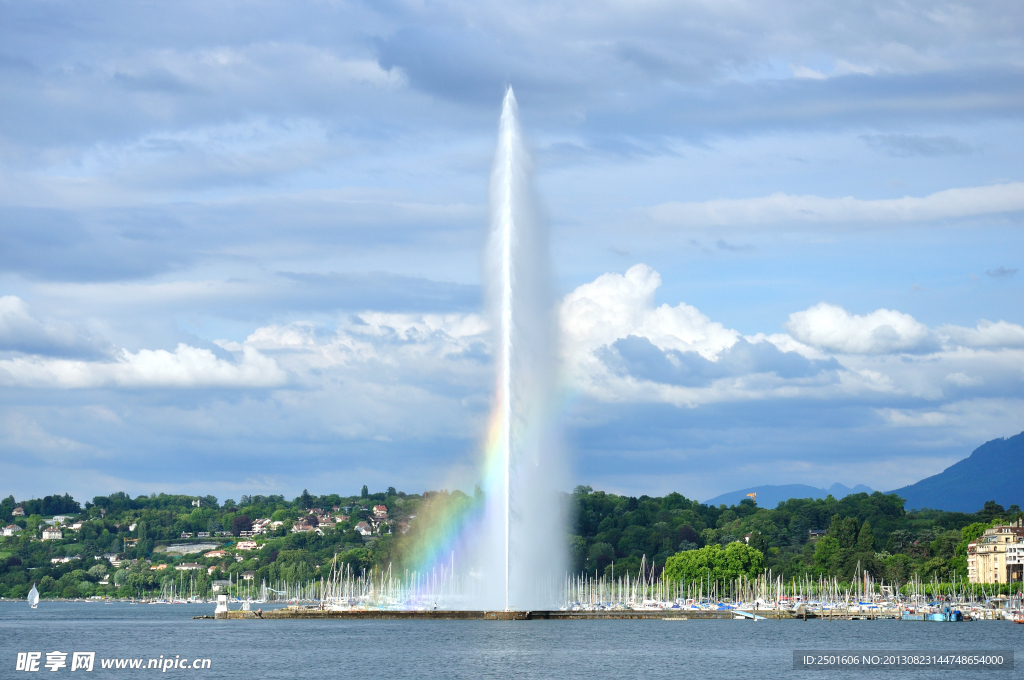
x: 18, y: 512
x: 364, y: 529
x: 246, y: 545
x: 11, y: 529
x: 52, y: 534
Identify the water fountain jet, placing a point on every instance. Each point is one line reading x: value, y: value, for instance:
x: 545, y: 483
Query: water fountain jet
x: 523, y: 539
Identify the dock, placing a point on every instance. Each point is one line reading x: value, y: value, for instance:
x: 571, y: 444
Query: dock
x: 802, y: 613
x: 474, y: 615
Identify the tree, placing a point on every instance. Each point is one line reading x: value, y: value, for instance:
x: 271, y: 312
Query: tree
x: 714, y: 562
x: 865, y: 539
x: 365, y: 493
x: 991, y: 511
x: 600, y: 556
x: 240, y: 524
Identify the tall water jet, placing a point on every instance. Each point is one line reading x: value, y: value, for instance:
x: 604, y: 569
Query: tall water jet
x: 523, y: 548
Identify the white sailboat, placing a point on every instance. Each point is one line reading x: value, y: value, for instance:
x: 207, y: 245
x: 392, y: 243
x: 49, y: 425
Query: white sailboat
x: 33, y: 597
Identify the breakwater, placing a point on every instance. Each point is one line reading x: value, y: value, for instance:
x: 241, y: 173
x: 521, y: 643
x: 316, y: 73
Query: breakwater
x: 803, y: 613
x: 464, y: 614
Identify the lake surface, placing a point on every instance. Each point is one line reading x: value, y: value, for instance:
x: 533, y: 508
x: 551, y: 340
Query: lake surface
x: 372, y: 650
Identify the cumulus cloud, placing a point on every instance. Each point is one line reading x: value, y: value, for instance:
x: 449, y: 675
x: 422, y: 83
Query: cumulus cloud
x: 615, y: 306
x: 782, y: 208
x: 619, y: 346
x: 881, y: 332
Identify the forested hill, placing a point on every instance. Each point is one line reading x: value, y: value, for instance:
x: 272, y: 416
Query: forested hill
x: 873, y: 529
x: 992, y: 472
x: 122, y: 546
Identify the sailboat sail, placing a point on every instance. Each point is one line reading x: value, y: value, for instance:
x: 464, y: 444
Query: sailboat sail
x: 33, y: 596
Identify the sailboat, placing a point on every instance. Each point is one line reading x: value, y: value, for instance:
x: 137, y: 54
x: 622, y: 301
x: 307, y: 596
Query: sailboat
x: 33, y: 597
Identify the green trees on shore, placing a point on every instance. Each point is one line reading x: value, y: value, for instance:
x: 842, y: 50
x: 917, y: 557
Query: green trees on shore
x: 715, y: 563
x: 686, y: 539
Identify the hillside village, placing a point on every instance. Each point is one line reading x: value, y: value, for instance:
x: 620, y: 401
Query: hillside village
x: 118, y: 546
x: 124, y: 547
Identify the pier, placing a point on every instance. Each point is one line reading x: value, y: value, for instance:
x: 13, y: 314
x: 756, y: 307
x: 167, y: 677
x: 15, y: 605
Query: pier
x: 302, y: 612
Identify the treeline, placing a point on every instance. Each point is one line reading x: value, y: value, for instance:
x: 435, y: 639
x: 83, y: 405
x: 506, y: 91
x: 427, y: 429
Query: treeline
x: 812, y: 537
x: 137, y: 531
x: 50, y: 505
x: 873, y: 530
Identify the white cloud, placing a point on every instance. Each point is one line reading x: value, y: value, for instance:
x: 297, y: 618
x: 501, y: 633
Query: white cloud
x: 883, y: 331
x: 185, y: 367
x: 619, y: 347
x: 781, y: 208
x: 614, y: 306
x: 987, y: 334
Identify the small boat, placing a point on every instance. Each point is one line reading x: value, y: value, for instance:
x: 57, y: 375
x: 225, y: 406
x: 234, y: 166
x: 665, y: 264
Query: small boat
x: 33, y: 597
x: 1018, y: 617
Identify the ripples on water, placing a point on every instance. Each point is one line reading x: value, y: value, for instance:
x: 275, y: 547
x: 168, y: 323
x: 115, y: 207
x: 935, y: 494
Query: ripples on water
x: 371, y: 650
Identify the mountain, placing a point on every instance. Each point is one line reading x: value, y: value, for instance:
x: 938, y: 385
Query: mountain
x: 769, y: 496
x: 992, y: 473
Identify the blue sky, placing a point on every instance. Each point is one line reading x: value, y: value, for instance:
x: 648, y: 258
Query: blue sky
x: 240, y: 243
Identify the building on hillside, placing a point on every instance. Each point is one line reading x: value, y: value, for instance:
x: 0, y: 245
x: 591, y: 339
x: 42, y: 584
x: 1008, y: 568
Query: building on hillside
x: 18, y: 512
x: 248, y: 575
x: 188, y: 566
x: 61, y: 519
x: 52, y: 534
x: 158, y: 567
x: 995, y: 557
x: 185, y: 534
x: 815, y: 534
x: 380, y: 511
x: 76, y: 526
x: 11, y: 529
x: 202, y: 534
x: 246, y: 545
x: 216, y: 553
x: 364, y: 529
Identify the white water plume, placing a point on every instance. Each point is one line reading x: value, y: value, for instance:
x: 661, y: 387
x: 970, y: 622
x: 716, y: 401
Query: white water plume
x: 522, y: 556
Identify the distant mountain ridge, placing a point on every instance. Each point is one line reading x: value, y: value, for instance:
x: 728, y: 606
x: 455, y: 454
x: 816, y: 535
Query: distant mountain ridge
x: 991, y: 473
x: 769, y: 496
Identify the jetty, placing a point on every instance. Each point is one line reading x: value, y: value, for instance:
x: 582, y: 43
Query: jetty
x: 313, y: 612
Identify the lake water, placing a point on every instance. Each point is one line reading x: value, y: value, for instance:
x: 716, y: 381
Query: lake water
x: 372, y: 650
